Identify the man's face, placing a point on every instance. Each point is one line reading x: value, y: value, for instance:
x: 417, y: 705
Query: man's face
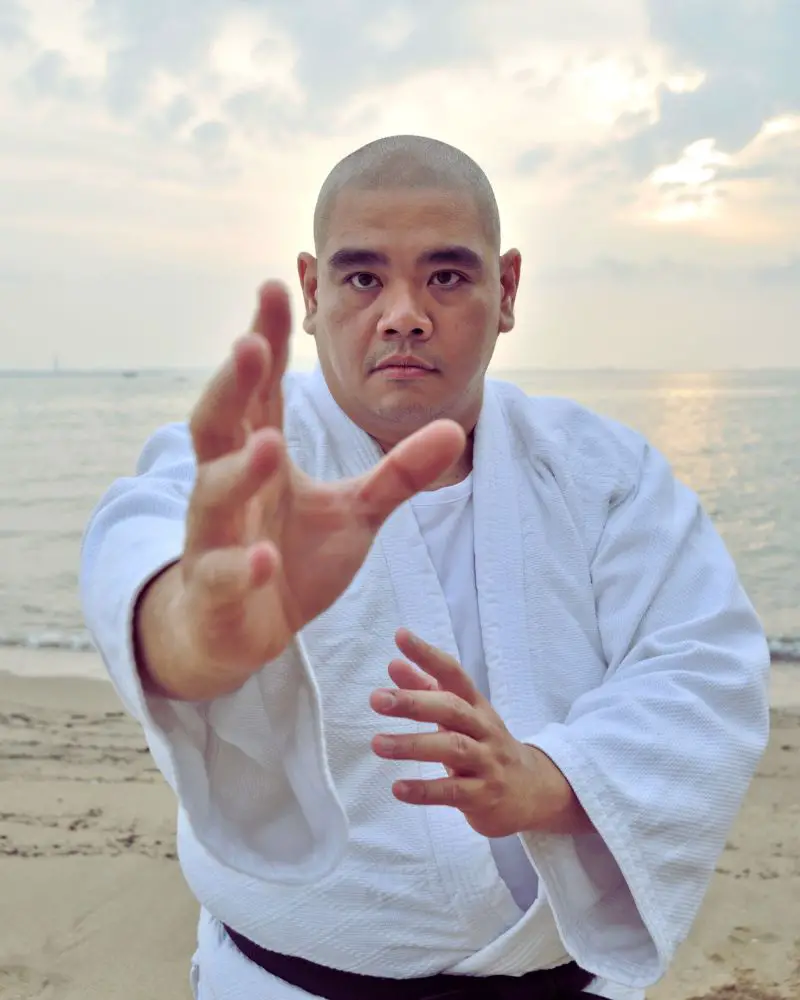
x: 406, y: 302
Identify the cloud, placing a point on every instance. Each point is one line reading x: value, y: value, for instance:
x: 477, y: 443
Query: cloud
x: 273, y: 73
x: 533, y: 159
x: 179, y: 111
x: 348, y: 50
x: 211, y: 135
x: 13, y: 22
x: 725, y: 108
x: 663, y: 271
x: 146, y: 37
x: 758, y: 187
x: 374, y: 43
x: 211, y: 141
x: 50, y: 76
x: 646, y: 154
x: 787, y: 274
x: 747, y: 53
x: 718, y: 35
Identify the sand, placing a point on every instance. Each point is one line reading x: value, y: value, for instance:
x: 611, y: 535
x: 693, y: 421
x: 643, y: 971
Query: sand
x: 92, y: 903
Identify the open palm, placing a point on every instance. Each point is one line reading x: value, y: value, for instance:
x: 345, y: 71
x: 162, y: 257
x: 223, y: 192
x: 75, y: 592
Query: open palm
x: 268, y: 548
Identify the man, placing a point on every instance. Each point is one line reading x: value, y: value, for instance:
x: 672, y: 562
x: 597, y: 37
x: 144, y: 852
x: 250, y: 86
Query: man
x: 532, y: 802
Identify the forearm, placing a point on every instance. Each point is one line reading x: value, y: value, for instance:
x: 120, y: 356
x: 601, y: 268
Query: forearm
x: 169, y: 664
x: 158, y: 660
x: 244, y: 776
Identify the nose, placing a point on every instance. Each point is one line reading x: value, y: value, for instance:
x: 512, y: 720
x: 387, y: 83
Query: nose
x: 404, y: 315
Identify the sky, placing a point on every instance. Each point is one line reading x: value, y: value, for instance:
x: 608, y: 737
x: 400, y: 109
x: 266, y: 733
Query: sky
x: 160, y: 158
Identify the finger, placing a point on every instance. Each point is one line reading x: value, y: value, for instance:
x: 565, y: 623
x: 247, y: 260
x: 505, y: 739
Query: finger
x: 221, y: 579
x: 273, y: 324
x: 217, y: 512
x: 410, y: 467
x: 439, y: 707
x: 409, y: 678
x: 465, y: 794
x: 448, y: 673
x: 455, y: 751
x: 217, y: 422
x: 264, y: 561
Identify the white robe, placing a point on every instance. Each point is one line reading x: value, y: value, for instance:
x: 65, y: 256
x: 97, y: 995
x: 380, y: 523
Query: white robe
x: 617, y: 639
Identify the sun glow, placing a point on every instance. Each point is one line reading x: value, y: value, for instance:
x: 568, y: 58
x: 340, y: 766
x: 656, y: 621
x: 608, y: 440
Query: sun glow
x: 684, y: 191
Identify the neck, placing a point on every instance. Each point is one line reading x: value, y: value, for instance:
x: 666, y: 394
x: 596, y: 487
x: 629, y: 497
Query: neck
x: 459, y: 471
x: 456, y: 473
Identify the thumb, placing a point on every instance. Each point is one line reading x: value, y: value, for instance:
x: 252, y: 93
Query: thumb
x: 409, y: 468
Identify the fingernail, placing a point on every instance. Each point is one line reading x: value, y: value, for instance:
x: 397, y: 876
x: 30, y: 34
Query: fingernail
x: 384, y: 700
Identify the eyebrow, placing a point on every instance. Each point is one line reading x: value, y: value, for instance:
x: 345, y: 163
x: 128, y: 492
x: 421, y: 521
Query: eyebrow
x: 351, y: 258
x: 348, y: 259
x: 455, y: 256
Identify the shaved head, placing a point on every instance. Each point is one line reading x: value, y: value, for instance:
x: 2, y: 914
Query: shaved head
x: 408, y: 291
x: 408, y: 162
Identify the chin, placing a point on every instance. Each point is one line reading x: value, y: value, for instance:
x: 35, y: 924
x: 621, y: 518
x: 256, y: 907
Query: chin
x: 409, y: 414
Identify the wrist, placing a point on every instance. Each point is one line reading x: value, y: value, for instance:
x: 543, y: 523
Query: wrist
x: 554, y: 806
x: 167, y: 662
x: 156, y: 633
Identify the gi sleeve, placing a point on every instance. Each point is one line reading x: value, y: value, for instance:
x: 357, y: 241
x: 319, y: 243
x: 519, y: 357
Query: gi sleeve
x: 660, y: 754
x: 250, y: 769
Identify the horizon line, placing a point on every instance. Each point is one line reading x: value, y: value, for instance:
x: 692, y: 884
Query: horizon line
x: 527, y: 369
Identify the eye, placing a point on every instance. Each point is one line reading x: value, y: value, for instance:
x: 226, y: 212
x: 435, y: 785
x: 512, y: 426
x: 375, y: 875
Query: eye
x: 447, y: 279
x: 363, y: 281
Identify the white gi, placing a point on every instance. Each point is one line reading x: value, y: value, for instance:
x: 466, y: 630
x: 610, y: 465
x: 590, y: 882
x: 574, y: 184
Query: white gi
x: 583, y: 588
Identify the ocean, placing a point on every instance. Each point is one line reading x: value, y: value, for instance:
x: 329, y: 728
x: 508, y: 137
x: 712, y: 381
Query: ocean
x: 733, y: 437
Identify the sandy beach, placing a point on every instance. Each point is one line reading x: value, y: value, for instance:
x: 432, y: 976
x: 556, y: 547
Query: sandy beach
x: 92, y: 902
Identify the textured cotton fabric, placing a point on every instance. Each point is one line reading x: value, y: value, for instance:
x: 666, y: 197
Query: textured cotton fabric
x: 445, y: 519
x: 617, y: 638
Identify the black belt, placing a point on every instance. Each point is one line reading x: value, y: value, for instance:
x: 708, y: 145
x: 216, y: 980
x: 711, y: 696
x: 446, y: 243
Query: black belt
x: 562, y: 983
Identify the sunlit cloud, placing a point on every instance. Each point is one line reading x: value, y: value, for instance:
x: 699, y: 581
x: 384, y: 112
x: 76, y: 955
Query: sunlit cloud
x: 636, y: 146
x: 684, y: 191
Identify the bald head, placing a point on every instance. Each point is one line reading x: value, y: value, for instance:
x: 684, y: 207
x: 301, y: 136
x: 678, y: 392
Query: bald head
x: 408, y: 162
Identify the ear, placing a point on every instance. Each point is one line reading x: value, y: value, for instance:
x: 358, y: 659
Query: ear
x: 307, y: 272
x: 510, y: 269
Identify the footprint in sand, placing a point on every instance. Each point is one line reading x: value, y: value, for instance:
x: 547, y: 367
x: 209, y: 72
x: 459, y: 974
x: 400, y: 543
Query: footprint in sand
x: 19, y: 982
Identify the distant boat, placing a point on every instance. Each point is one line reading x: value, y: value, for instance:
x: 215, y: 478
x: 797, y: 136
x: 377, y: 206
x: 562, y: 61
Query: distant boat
x: 130, y: 374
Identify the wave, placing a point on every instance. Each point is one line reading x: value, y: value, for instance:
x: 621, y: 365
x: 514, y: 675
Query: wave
x: 784, y: 649
x: 64, y: 641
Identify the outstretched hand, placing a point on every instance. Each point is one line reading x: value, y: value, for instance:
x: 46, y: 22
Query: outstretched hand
x: 267, y: 548
x: 502, y: 786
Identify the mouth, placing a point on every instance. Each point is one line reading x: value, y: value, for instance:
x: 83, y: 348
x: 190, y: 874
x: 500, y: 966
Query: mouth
x: 401, y: 367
